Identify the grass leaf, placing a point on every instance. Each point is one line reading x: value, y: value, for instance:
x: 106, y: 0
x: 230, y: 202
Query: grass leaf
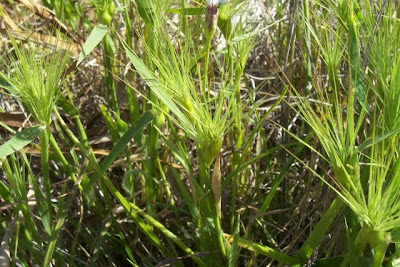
x: 20, y: 140
x: 142, y: 122
x: 234, y: 253
x: 93, y: 40
x: 264, y: 250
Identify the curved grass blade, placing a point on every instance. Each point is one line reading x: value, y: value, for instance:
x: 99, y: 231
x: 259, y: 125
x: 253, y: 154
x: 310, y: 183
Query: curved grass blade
x: 314, y: 239
x: 264, y: 250
x: 131, y: 209
x: 355, y: 60
x: 131, y: 133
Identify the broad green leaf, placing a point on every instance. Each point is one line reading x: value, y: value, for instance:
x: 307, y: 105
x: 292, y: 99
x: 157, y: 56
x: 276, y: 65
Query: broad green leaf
x: 20, y: 140
x: 93, y: 40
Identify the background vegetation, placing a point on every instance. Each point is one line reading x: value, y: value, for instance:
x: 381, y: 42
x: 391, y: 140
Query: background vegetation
x: 186, y: 133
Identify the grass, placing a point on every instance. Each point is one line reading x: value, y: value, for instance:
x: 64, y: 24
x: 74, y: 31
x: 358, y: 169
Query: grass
x: 192, y: 133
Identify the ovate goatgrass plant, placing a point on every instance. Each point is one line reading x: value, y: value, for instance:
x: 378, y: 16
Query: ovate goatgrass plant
x: 367, y: 175
x: 205, y: 120
x: 34, y: 79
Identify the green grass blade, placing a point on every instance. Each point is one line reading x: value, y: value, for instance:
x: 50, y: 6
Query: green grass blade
x: 276, y: 183
x: 20, y: 140
x: 234, y: 252
x: 94, y: 39
x: 319, y: 231
x: 146, y: 11
x: 135, y: 129
x: 113, y: 190
x: 167, y: 233
x: 352, y: 254
x: 5, y: 192
x: 264, y: 250
x: 355, y: 59
x: 186, y: 196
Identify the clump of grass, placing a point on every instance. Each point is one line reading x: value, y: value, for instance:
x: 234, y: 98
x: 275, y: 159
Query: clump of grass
x: 366, y: 173
x: 199, y: 90
x: 34, y: 79
x: 205, y: 117
x: 205, y: 120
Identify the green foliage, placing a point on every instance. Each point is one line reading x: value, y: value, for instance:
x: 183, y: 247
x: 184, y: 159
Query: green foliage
x: 35, y: 79
x: 189, y: 163
x: 376, y: 204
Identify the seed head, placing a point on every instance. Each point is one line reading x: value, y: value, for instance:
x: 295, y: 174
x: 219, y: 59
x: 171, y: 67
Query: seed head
x: 34, y: 79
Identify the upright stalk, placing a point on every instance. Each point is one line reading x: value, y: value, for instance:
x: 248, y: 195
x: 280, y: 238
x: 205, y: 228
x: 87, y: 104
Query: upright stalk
x: 308, y: 42
x: 184, y: 18
x: 206, y: 89
x: 55, y: 233
x: 44, y: 153
x: 128, y: 24
x: 153, y: 134
x: 237, y: 135
x: 109, y: 73
x: 379, y: 256
x: 314, y: 239
x: 211, y: 21
x: 212, y: 208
